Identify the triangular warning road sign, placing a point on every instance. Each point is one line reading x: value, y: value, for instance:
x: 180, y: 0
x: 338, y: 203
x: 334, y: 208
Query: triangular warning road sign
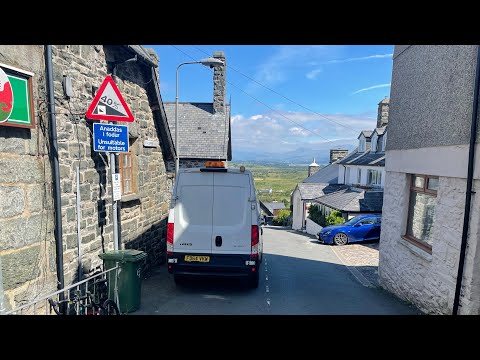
x: 108, y: 104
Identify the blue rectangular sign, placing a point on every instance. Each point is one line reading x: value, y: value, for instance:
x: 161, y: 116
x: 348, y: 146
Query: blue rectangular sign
x: 110, y: 138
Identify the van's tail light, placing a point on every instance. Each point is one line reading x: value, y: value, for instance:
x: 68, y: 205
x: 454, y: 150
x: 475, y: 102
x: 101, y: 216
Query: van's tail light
x: 254, y: 241
x: 170, y: 230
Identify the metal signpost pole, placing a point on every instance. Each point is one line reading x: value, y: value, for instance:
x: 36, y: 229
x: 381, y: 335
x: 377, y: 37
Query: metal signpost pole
x: 109, y: 105
x: 116, y: 244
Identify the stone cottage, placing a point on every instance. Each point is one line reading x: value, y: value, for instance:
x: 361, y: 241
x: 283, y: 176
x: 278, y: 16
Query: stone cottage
x: 29, y: 233
x: 430, y: 161
x: 204, y: 128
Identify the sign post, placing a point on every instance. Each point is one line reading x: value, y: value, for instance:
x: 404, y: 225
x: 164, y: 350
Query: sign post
x: 108, y: 104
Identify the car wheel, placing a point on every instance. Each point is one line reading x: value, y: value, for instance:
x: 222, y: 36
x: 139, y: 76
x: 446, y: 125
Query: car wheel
x: 340, y: 239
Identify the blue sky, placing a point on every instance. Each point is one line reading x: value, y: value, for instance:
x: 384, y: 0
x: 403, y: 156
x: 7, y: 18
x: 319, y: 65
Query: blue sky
x: 342, y: 83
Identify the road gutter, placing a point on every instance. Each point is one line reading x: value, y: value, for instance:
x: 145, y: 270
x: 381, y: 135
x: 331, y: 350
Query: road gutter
x: 357, y: 274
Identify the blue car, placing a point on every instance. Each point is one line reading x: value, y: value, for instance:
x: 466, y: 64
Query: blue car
x: 359, y: 228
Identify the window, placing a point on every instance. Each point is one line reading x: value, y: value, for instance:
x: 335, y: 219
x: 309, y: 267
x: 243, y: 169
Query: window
x: 347, y: 176
x: 126, y: 170
x: 421, y: 210
x: 374, y: 177
x: 361, y: 145
x: 359, y: 176
x: 368, y: 221
x: 374, y: 143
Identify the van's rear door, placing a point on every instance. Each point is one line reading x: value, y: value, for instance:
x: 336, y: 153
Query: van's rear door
x: 231, y: 213
x: 193, y: 213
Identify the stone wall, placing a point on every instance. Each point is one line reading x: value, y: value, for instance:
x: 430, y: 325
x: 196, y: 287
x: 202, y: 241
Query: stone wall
x: 27, y: 243
x: 428, y: 280
x: 143, y: 214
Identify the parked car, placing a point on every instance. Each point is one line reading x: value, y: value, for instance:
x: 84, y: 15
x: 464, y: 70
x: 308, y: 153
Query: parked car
x: 359, y: 228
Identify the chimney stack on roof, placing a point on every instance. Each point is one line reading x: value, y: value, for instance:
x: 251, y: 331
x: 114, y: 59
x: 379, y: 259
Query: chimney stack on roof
x: 383, y: 109
x: 219, y: 84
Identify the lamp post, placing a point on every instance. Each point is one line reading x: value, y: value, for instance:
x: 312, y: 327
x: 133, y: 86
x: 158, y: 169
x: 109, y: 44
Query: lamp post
x: 206, y: 62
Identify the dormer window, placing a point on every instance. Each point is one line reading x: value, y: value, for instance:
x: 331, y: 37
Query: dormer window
x: 374, y: 145
x: 362, y: 144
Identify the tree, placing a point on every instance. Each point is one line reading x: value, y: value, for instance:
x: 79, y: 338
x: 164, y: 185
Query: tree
x: 335, y: 218
x: 281, y: 218
x: 315, y: 214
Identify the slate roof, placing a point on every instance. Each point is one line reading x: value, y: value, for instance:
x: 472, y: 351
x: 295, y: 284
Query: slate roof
x: 145, y: 54
x: 326, y: 175
x: 381, y: 130
x: 354, y: 154
x: 270, y: 206
x: 310, y: 191
x: 366, y: 133
x: 202, y: 134
x: 353, y: 200
x: 364, y: 158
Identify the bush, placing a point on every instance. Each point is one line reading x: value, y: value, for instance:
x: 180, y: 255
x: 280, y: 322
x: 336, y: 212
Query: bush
x: 335, y: 218
x: 282, y: 218
x: 315, y: 214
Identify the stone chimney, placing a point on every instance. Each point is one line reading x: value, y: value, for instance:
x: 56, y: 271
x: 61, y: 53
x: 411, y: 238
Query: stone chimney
x: 383, y: 108
x: 219, y: 84
x: 337, y: 154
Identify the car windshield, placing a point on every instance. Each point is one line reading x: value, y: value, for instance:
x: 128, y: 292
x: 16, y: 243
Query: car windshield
x: 352, y: 221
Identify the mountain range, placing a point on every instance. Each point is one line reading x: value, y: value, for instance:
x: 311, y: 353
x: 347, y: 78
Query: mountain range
x: 301, y: 155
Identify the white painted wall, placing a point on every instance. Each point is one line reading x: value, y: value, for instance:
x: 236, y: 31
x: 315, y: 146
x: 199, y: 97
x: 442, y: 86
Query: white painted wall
x: 312, y: 227
x: 441, y: 161
x: 428, y: 280
x: 297, y: 210
x: 352, y: 179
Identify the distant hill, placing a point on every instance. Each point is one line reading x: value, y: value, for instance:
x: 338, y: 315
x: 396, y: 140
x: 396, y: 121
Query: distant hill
x: 301, y: 155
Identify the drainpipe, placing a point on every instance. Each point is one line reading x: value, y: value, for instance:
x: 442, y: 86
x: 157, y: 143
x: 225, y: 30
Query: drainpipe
x: 469, y: 191
x: 55, y: 168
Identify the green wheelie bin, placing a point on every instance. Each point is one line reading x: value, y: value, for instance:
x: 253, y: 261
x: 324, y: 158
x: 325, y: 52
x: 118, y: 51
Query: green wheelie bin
x: 129, y: 277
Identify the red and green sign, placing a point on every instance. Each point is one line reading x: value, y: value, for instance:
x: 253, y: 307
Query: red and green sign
x: 15, y: 99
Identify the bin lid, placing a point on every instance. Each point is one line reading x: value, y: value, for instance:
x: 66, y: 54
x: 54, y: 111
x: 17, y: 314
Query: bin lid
x: 123, y: 255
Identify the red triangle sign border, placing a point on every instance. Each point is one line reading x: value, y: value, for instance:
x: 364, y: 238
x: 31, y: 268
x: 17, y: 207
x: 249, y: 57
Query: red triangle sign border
x: 90, y: 115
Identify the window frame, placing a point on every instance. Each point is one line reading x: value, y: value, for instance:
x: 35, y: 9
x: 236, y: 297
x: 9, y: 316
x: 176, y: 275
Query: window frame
x: 423, y: 190
x: 121, y: 168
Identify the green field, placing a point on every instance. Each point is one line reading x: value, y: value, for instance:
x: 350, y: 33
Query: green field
x: 282, y: 179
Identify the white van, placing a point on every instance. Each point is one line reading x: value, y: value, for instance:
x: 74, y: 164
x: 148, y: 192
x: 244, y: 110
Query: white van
x: 214, y: 224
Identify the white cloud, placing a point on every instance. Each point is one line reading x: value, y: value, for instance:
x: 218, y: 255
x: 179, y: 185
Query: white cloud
x: 297, y: 131
x: 312, y: 75
x: 275, y: 69
x: 377, y: 56
x: 371, y: 88
x: 272, y: 132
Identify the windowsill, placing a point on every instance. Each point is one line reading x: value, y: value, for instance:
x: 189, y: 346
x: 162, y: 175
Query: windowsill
x: 130, y: 197
x: 418, y: 248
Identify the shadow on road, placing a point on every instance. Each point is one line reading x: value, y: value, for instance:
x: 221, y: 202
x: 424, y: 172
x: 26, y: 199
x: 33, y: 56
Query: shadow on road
x: 296, y: 285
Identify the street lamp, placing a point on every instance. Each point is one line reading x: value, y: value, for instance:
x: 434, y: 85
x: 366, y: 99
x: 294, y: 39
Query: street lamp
x: 206, y: 62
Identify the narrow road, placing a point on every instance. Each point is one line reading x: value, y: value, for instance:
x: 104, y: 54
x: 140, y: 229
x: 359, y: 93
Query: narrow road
x: 298, y: 276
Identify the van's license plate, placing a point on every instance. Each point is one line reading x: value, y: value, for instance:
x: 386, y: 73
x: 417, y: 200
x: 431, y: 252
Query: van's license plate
x: 192, y: 258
